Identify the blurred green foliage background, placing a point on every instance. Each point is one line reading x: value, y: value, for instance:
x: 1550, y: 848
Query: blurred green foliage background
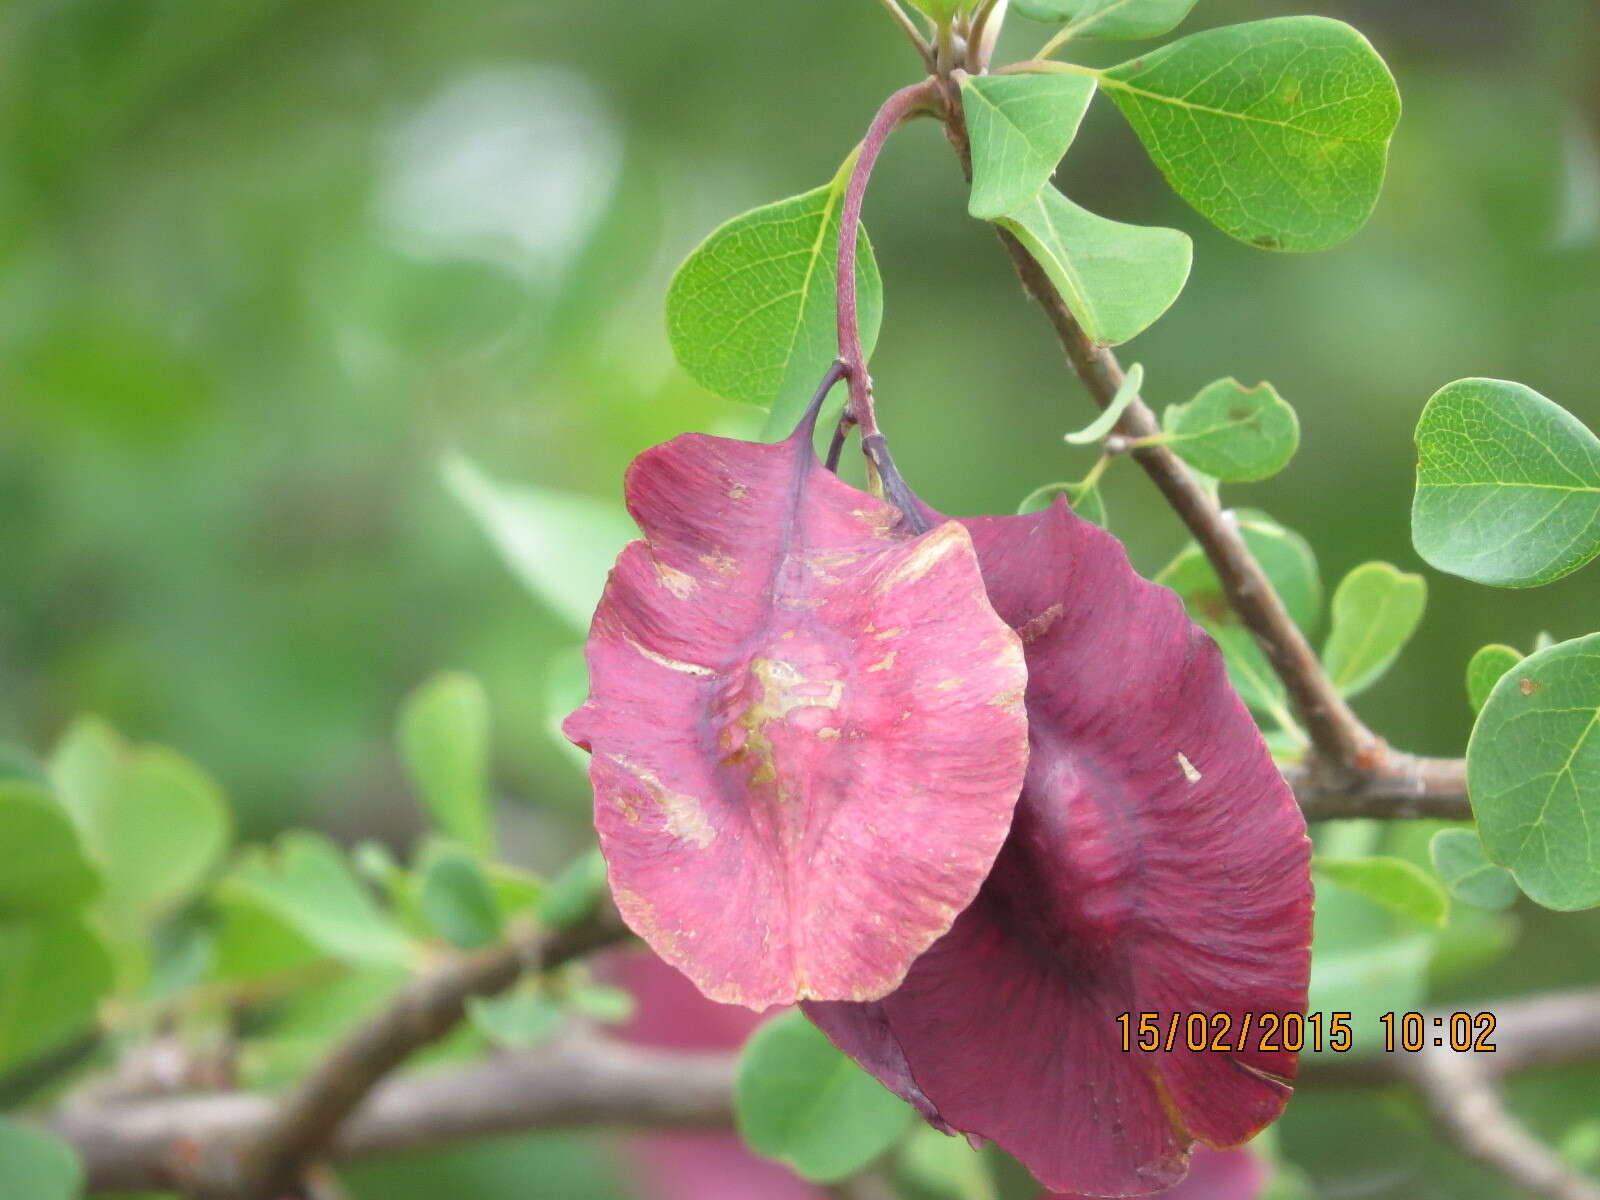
x: 266, y: 265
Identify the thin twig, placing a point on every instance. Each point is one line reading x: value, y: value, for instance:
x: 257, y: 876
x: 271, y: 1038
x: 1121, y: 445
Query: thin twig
x: 307, y: 1121
x: 187, y: 1142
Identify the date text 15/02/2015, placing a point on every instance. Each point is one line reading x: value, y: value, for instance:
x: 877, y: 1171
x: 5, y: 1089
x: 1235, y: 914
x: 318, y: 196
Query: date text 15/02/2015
x: 1232, y: 1033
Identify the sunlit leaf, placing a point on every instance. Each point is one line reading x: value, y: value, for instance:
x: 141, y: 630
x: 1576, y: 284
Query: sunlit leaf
x: 1484, y: 670
x: 518, y: 1020
x: 444, y: 735
x: 798, y: 1099
x: 1375, y: 610
x: 1109, y: 18
x: 42, y: 863
x: 1508, y: 485
x: 36, y: 1166
x: 780, y: 655
x: 1466, y: 870
x: 1020, y: 126
x: 1232, y: 432
x: 750, y: 313
x: 1117, y: 279
x: 1398, y: 885
x: 307, y: 883
x: 1277, y: 131
x: 53, y: 973
x: 559, y: 544
x: 1533, y: 771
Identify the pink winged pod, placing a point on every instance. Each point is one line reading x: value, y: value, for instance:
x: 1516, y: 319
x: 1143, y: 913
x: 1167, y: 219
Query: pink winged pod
x: 1157, y: 864
x: 807, y: 728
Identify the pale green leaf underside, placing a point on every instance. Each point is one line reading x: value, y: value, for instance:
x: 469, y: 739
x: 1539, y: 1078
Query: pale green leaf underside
x: 34, y: 1165
x: 1116, y: 279
x: 444, y: 738
x: 750, y: 313
x: 1484, y: 670
x: 1020, y: 126
x: 1375, y: 610
x: 1277, y: 131
x: 1508, y: 485
x: 1083, y: 499
x: 798, y: 1099
x: 1458, y: 856
x: 1400, y: 886
x: 1110, y: 18
x: 1127, y: 392
x: 1533, y: 772
x: 1232, y: 432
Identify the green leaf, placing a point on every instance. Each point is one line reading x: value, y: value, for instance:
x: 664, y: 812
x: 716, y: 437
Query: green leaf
x: 1116, y: 279
x: 1276, y: 131
x: 1127, y: 392
x: 798, y: 1099
x: 1232, y: 432
x: 1533, y: 772
x: 1290, y: 566
x: 1125, y: 19
x: 750, y: 313
x: 42, y: 865
x: 573, y: 894
x: 608, y: 1005
x: 1083, y: 498
x: 1020, y: 126
x: 1400, y: 886
x: 559, y: 544
x: 17, y: 763
x: 457, y: 900
x: 1484, y: 670
x: 1376, y: 608
x: 444, y: 736
x: 518, y: 1020
x: 253, y: 941
x: 308, y: 885
x: 53, y: 973
x: 1508, y: 485
x: 36, y: 1166
x: 154, y: 821
x: 1466, y: 870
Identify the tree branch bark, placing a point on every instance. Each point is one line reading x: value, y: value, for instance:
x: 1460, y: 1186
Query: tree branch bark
x: 188, y: 1142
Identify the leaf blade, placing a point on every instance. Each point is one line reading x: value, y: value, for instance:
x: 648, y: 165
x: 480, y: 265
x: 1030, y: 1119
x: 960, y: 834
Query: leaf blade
x: 1376, y: 608
x: 1232, y: 432
x: 1020, y: 126
x: 444, y: 738
x: 1400, y: 886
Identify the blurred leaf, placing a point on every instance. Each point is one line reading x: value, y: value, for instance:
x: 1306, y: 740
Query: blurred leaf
x: 1290, y: 566
x: 154, y: 821
x: 1232, y: 432
x: 42, y: 864
x: 1398, y: 885
x: 1083, y: 499
x: 798, y: 1099
x: 53, y: 973
x: 1127, y: 392
x: 1533, y: 772
x: 944, y: 1166
x: 750, y: 312
x: 308, y: 884
x: 1117, y: 279
x: 444, y: 735
x: 457, y: 900
x: 1276, y: 131
x: 518, y: 1020
x: 1109, y: 18
x: 36, y: 1166
x: 298, y: 1030
x: 1020, y: 127
x: 515, y: 890
x: 253, y: 941
x: 598, y: 1002
x: 1365, y: 961
x: 566, y: 686
x: 17, y: 763
x: 1376, y: 608
x: 573, y: 894
x: 1466, y: 870
x: 1508, y: 485
x: 559, y: 544
x: 1484, y: 671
